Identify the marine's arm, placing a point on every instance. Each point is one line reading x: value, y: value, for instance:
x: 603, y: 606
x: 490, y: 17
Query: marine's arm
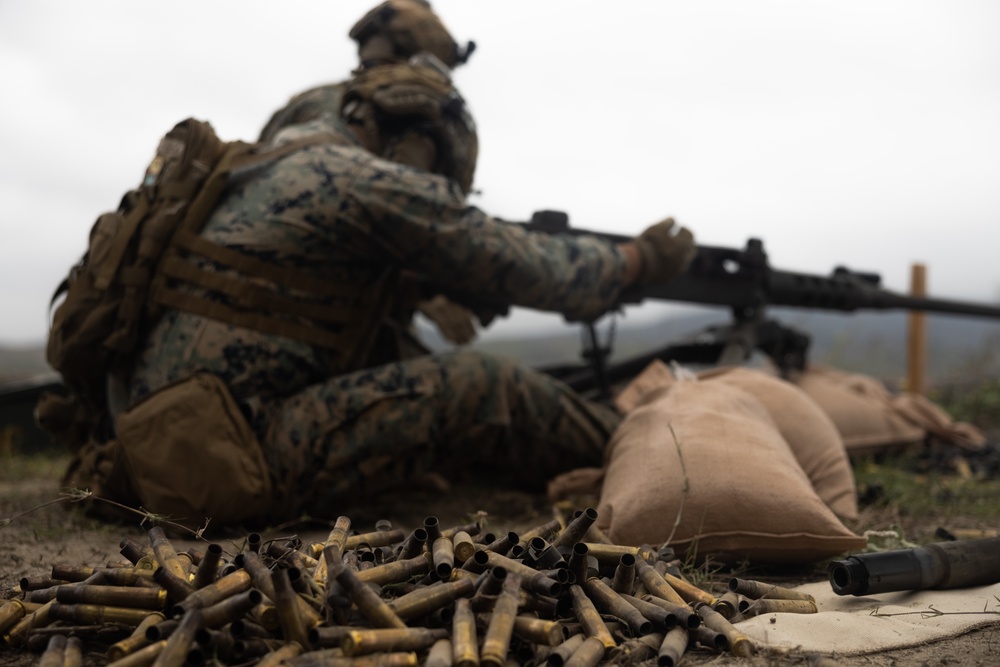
x: 422, y: 224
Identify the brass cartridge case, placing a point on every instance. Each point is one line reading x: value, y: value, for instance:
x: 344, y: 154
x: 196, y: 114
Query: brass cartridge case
x: 545, y: 530
x: 590, y: 653
x: 395, y: 571
x: 378, y: 538
x: 532, y: 579
x: 472, y: 528
x: 134, y: 551
x: 245, y: 650
x: 581, y: 563
x: 672, y: 649
x: 576, y: 529
x: 69, y: 573
x: 739, y: 644
x: 177, y: 588
x: 496, y: 640
x: 38, y: 618
x: 260, y: 574
x: 280, y: 655
x: 440, y: 655
x: 208, y: 567
x: 728, y: 605
x: 112, y: 596
x: 463, y: 546
x: 624, y: 579
x: 293, y: 626
x: 561, y: 653
x: 758, y: 589
x: 610, y: 554
x: 41, y: 583
x: 333, y: 550
x: 128, y: 576
x: 656, y: 584
x: 390, y: 640
x: 253, y: 542
x: 660, y: 617
x: 54, y: 652
x: 137, y: 640
x: 73, y: 655
x: 539, y: 630
x: 595, y: 534
x: 465, y: 642
x: 479, y: 561
x: 222, y: 588
x: 328, y: 636
x: 443, y: 557
x: 492, y: 581
x: 244, y: 627
x: 165, y: 553
x: 369, y: 603
x: 425, y: 600
x: 141, y: 658
x: 291, y: 556
x: 709, y: 638
x: 773, y: 605
x: 11, y: 612
x: 688, y: 591
x: 230, y: 609
x: 161, y: 630
x: 316, y: 659
x: 589, y: 617
x: 413, y: 545
x: 686, y: 617
x: 176, y: 650
x: 96, y: 614
x: 610, y: 602
x: 218, y: 643
x: 503, y: 544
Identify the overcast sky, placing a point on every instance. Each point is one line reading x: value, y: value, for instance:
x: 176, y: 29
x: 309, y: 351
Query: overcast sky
x: 852, y: 132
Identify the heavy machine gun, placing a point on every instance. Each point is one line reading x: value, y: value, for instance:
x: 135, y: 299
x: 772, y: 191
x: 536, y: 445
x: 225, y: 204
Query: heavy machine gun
x: 743, y: 280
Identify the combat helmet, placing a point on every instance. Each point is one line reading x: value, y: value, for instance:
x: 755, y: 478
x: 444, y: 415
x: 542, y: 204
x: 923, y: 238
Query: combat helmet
x: 398, y: 29
x: 412, y: 114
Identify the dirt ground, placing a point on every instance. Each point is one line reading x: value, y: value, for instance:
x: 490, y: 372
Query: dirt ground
x: 31, y: 543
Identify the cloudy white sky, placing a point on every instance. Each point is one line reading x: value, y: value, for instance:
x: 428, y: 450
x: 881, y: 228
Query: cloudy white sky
x: 857, y: 132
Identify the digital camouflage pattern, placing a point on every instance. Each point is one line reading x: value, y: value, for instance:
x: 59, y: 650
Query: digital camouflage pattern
x: 332, y: 425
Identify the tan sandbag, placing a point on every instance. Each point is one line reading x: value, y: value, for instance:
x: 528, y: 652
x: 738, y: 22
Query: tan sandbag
x: 813, y: 437
x: 861, y: 407
x: 730, y: 482
x: 808, y: 430
x: 922, y: 411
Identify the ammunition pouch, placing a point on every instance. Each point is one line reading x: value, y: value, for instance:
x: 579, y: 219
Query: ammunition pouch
x: 186, y: 452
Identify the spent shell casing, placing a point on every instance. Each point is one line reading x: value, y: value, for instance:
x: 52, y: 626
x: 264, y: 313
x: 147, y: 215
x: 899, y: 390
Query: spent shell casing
x: 686, y: 617
x: 465, y: 642
x: 624, y: 578
x: 688, y: 591
x: 739, y: 644
x: 143, y: 657
x: 440, y: 655
x: 137, y: 640
x: 112, y: 596
x: 175, y: 653
x: 11, y: 612
x: 656, y: 584
x: 610, y: 602
x: 425, y: 600
x: 293, y: 625
x: 369, y: 603
x: 165, y: 554
x: 589, y: 617
x: 54, y: 652
x: 222, y: 588
x: 758, y: 589
x: 463, y: 546
x: 281, y: 655
x: 395, y: 571
x: 709, y: 638
x: 728, y: 605
x: 776, y: 605
x: 390, y: 640
x: 208, y: 567
x: 660, y: 618
x: 496, y: 640
x: 589, y: 654
x: 575, y: 529
x: 378, y: 538
x: 674, y: 646
x: 97, y: 614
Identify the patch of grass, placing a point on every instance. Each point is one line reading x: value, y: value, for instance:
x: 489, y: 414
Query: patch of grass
x: 14, y: 469
x: 898, y: 483
x: 977, y: 403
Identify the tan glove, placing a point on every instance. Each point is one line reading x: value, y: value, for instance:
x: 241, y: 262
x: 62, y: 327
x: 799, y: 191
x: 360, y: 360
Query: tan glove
x: 456, y: 323
x: 666, y: 252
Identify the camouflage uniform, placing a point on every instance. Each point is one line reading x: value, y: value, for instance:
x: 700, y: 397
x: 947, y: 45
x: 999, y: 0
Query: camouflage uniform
x: 333, y: 426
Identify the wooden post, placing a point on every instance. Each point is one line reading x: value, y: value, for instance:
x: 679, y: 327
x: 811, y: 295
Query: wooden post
x: 917, y: 339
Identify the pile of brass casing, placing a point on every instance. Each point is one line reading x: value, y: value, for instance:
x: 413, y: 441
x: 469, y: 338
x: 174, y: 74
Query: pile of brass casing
x: 558, y: 594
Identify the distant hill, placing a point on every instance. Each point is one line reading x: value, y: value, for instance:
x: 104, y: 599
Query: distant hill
x: 959, y: 349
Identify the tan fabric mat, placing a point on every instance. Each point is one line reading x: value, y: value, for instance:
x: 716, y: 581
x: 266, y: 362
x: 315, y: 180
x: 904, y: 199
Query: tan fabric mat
x: 849, y: 625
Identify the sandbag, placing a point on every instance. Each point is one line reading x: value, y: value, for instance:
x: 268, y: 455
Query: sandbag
x: 809, y: 431
x: 728, y: 488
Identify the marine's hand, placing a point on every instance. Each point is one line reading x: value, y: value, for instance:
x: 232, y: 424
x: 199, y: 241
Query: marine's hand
x: 456, y: 323
x: 666, y: 252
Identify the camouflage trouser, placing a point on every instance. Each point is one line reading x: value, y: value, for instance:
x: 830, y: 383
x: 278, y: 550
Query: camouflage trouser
x: 463, y: 411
